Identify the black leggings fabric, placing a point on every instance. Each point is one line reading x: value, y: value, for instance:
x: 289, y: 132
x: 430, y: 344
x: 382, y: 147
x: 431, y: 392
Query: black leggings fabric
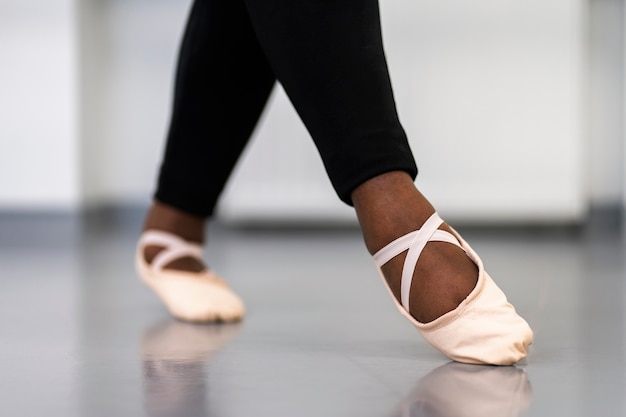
x: 328, y: 56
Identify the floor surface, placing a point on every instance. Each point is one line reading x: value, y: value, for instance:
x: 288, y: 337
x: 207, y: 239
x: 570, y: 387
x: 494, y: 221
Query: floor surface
x: 81, y: 336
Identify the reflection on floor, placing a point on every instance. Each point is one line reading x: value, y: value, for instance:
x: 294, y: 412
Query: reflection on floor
x: 82, y: 337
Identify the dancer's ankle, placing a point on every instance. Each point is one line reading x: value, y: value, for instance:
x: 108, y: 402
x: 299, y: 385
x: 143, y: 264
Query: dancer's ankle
x: 164, y: 217
x: 189, y: 227
x: 390, y: 206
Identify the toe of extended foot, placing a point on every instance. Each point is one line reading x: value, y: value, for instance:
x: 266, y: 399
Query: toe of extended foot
x: 485, y: 329
x: 203, y: 299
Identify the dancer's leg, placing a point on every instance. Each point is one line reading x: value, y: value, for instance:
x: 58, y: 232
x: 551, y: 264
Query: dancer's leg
x: 222, y: 84
x: 329, y: 57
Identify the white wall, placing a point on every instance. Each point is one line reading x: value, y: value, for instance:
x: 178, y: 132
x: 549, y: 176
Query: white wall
x: 129, y: 50
x: 38, y: 105
x: 606, y: 103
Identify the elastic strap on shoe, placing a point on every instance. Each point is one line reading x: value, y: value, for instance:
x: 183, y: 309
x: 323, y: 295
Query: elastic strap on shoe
x: 415, y: 242
x: 174, y: 248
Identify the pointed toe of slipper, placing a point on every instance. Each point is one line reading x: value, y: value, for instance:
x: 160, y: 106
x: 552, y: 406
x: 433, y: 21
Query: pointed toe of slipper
x: 484, y: 329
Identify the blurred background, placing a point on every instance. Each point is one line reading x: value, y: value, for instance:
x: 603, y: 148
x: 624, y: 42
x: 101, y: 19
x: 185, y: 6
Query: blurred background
x: 514, y: 110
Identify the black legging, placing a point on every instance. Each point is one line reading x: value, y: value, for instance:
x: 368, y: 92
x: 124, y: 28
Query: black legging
x: 328, y: 56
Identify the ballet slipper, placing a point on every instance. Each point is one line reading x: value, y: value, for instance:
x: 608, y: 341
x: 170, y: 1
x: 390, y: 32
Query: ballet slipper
x: 189, y: 296
x: 484, y: 328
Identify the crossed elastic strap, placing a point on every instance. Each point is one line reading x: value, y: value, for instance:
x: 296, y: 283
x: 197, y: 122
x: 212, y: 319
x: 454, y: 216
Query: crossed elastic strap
x: 415, y: 243
x: 174, y: 248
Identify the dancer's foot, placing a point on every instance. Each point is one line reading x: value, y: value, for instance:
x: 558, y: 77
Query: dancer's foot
x: 169, y: 261
x: 438, y: 282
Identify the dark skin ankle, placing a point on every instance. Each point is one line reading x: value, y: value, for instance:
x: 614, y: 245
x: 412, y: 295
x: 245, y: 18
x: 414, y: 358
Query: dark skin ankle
x: 187, y: 226
x: 389, y: 206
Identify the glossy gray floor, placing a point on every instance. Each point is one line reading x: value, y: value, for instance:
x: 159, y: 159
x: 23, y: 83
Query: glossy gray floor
x: 80, y: 336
